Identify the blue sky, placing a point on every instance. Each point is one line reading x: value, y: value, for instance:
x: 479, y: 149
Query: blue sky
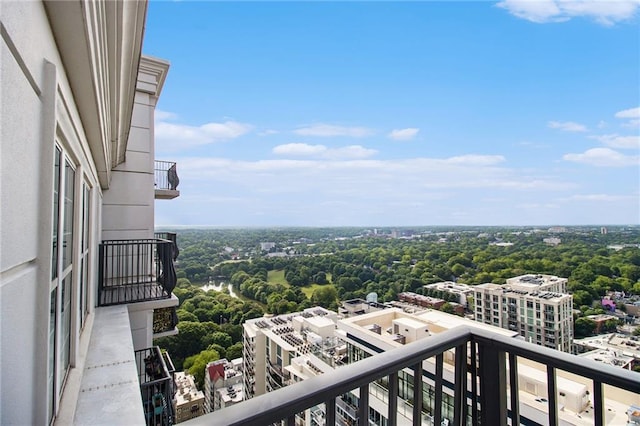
x: 404, y: 113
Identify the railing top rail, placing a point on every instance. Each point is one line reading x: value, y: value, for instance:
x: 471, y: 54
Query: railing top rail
x: 164, y: 162
x: 136, y: 241
x: 595, y: 370
x: 267, y: 408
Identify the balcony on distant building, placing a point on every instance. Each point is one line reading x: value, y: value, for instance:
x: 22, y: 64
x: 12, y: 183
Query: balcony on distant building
x: 132, y: 271
x: 480, y: 386
x: 166, y: 180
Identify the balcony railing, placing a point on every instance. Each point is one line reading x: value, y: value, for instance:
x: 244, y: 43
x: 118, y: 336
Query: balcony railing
x: 166, y: 179
x: 171, y: 236
x: 135, y: 271
x: 156, y: 387
x: 484, y: 387
x: 164, y: 320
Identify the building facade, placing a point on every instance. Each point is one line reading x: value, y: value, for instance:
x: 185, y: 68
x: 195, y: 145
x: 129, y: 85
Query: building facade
x: 77, y: 183
x: 223, y: 384
x: 270, y: 345
x: 534, y: 306
x: 189, y: 401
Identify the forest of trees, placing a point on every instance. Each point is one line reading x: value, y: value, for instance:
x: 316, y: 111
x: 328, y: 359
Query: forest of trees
x: 324, y: 270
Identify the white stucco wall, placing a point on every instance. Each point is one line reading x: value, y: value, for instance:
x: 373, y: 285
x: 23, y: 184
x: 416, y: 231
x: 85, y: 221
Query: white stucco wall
x: 128, y: 204
x: 36, y: 99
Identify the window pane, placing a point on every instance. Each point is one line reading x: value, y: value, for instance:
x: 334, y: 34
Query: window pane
x: 56, y: 213
x: 65, y: 325
x: 67, y: 238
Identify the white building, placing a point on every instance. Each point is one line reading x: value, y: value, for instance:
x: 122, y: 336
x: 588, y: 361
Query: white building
x: 223, y: 384
x: 77, y: 168
x: 270, y: 345
x: 532, y: 305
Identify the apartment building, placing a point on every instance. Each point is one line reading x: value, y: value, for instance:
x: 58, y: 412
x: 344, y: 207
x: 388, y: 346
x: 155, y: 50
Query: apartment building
x: 270, y: 345
x: 189, y: 401
x: 223, y: 384
x: 463, y: 292
x: 83, y: 277
x: 532, y: 305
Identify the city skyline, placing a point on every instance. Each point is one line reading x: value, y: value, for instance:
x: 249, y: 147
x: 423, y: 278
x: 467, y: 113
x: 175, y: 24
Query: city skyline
x: 399, y: 114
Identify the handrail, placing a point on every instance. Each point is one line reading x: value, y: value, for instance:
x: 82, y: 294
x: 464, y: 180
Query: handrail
x: 269, y: 408
x: 585, y: 367
x: 491, y: 395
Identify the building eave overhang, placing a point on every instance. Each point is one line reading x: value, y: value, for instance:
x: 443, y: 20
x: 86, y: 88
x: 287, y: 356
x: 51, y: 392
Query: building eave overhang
x: 100, y: 44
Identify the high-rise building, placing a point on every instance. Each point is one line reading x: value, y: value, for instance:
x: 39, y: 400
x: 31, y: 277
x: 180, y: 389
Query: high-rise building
x: 270, y: 345
x: 535, y: 306
x: 86, y: 284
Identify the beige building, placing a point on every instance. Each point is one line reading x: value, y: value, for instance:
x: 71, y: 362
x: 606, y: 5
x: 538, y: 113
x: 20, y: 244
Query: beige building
x: 77, y: 192
x: 532, y: 305
x: 189, y: 401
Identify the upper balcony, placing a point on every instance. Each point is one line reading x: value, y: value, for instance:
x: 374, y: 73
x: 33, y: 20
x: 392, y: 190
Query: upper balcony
x: 481, y: 387
x: 132, y: 271
x: 166, y: 180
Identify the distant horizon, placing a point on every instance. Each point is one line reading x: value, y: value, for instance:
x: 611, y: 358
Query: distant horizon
x: 329, y: 113
x: 398, y: 226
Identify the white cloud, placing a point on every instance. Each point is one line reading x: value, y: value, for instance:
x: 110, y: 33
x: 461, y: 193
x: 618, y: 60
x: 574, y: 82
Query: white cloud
x: 617, y: 141
x: 268, y: 132
x: 543, y: 11
x: 629, y: 113
x: 603, y: 157
x: 602, y: 124
x: 179, y: 136
x: 633, y: 124
x: 403, y: 134
x: 333, y: 174
x: 164, y: 115
x: 633, y: 114
x: 567, y: 126
x: 601, y: 197
x: 299, y: 149
x: 327, y: 130
x: 321, y: 151
x: 351, y: 151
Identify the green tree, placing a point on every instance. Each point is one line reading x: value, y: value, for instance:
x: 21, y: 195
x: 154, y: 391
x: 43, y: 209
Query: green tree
x: 234, y: 351
x: 325, y: 296
x: 584, y: 327
x: 197, y: 363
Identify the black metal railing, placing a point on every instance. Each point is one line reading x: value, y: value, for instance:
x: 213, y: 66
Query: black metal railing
x: 156, y: 387
x: 485, y: 367
x: 171, y: 236
x: 166, y: 175
x: 135, y: 271
x: 164, y: 319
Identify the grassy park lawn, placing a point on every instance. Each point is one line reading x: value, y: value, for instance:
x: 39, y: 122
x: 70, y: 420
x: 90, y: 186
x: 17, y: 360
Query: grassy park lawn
x: 277, y: 277
x: 309, y: 289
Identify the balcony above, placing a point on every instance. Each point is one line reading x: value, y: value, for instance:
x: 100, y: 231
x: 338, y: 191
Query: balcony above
x: 133, y: 271
x: 166, y: 180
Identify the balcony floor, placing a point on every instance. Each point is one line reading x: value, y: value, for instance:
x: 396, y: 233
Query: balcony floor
x: 131, y: 293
